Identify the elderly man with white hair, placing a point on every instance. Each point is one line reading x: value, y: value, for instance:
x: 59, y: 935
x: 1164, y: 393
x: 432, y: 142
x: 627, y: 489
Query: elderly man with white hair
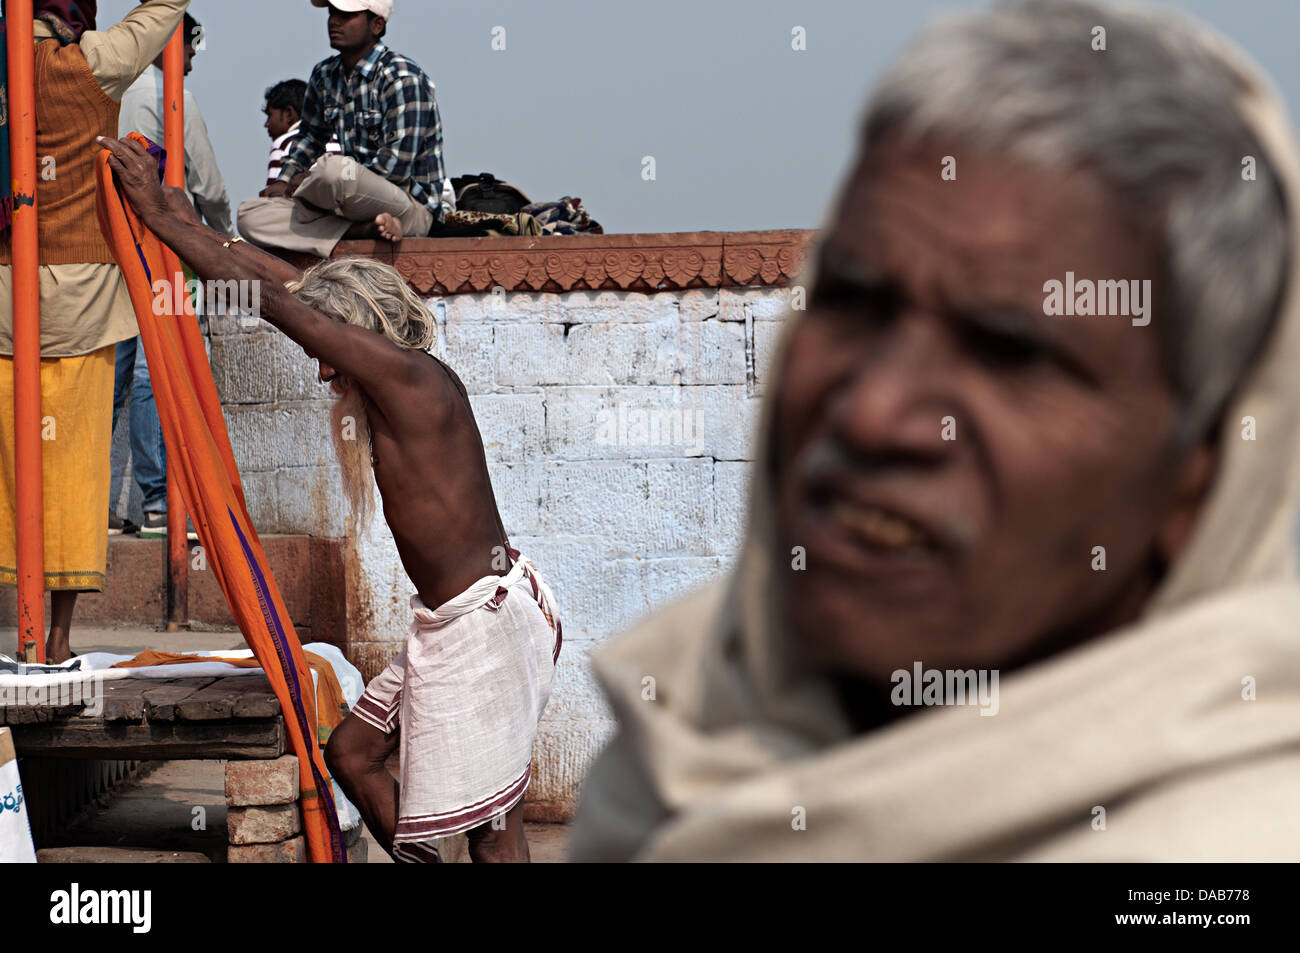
x: 461, y: 702
x: 1019, y: 580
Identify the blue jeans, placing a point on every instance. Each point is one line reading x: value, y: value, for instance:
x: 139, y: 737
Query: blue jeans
x: 148, y: 452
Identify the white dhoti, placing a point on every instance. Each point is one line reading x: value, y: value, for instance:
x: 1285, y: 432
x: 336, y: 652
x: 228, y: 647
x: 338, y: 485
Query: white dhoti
x: 467, y: 693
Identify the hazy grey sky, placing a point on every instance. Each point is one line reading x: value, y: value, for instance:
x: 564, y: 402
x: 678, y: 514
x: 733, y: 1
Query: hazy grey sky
x: 746, y: 132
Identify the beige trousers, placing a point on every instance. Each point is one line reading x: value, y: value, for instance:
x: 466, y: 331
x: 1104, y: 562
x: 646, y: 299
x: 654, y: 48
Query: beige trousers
x: 337, y: 193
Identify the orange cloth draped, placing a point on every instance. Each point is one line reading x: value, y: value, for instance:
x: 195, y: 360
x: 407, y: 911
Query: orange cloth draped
x: 199, y: 448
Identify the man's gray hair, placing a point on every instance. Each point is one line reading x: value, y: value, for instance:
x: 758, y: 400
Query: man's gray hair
x: 374, y: 296
x: 370, y: 295
x: 1155, y: 117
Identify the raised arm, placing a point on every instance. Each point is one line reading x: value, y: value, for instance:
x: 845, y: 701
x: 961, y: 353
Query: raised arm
x: 387, y: 373
x: 178, y: 201
x: 118, y: 55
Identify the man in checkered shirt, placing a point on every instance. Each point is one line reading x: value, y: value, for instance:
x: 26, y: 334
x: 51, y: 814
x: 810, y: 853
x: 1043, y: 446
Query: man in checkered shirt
x: 388, y: 181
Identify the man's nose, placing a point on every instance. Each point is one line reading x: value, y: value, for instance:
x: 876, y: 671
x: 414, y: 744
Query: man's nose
x: 899, y: 399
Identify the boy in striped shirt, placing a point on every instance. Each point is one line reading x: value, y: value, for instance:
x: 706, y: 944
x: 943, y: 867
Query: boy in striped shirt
x: 283, y: 120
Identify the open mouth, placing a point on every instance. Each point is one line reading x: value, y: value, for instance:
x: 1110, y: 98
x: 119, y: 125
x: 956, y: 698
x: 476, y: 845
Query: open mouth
x: 875, y: 520
x: 880, y: 529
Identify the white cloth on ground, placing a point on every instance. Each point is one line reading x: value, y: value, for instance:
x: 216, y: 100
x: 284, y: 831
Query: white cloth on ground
x: 82, y: 686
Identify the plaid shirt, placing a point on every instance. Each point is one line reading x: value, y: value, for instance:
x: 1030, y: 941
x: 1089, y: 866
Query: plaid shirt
x: 383, y: 114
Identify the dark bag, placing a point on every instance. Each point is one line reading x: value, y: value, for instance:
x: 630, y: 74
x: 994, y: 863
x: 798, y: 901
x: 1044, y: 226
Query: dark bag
x: 486, y: 193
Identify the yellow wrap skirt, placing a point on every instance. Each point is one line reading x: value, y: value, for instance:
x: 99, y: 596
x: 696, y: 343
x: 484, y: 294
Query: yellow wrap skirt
x: 76, y: 434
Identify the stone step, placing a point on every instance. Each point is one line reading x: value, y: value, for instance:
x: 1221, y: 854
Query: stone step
x: 307, y: 569
x: 118, y: 855
x: 131, y: 640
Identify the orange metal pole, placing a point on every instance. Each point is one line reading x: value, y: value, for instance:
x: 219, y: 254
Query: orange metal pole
x: 178, y: 549
x: 27, y: 334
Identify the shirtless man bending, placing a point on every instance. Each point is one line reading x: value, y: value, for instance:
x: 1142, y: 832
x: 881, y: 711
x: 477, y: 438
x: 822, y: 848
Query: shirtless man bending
x: 477, y: 669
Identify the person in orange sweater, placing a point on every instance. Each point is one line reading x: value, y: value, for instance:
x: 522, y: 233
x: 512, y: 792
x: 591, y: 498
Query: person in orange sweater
x: 81, y: 75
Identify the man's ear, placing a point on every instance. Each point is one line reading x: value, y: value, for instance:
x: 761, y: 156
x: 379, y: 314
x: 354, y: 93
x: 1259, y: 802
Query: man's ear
x: 1194, y: 478
x: 377, y: 25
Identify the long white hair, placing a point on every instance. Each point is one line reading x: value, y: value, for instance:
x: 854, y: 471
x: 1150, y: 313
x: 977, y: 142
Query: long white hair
x: 370, y: 295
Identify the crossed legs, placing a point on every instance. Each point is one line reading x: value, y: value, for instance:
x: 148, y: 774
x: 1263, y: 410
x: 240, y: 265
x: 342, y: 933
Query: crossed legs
x: 339, y: 198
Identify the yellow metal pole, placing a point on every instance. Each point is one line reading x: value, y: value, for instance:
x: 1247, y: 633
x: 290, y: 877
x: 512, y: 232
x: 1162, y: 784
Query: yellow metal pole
x: 27, y: 334
x: 178, y: 549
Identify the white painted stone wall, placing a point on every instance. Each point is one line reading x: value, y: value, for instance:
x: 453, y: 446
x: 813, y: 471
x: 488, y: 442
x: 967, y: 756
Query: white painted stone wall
x: 618, y: 428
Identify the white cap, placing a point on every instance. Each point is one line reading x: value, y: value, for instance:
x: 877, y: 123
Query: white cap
x: 380, y: 8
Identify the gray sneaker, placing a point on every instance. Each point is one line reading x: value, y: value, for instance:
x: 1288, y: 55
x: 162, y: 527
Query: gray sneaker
x: 154, y: 526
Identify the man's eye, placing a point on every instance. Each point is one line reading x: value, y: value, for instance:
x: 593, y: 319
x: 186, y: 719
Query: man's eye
x: 854, y: 304
x: 1003, y: 350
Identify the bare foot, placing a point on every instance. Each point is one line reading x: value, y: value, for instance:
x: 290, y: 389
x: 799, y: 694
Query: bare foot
x: 389, y: 227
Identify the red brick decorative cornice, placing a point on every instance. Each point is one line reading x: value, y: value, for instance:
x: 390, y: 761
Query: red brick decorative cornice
x: 660, y: 262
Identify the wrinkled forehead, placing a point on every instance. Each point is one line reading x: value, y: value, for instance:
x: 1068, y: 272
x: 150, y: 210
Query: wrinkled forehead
x: 981, y: 235
x: 987, y: 213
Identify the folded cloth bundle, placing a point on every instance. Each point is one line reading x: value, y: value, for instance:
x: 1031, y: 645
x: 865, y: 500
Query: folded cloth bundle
x: 462, y: 223
x: 565, y: 217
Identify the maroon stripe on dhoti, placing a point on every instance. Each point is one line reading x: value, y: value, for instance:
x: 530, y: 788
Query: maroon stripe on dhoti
x: 375, y: 714
x: 417, y: 853
x: 447, y: 823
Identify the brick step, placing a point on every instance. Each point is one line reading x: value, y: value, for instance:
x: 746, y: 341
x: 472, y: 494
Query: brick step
x: 307, y: 569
